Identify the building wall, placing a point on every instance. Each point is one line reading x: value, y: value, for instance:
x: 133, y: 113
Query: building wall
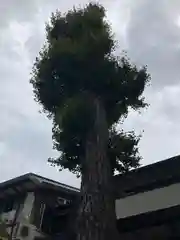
x: 28, y: 206
x: 162, y: 232
x: 148, y: 201
x: 25, y: 219
x: 22, y: 213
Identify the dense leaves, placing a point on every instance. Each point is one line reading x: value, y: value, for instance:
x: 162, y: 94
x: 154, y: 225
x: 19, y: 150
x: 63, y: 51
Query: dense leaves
x: 122, y: 151
x: 78, y: 63
x: 86, y: 90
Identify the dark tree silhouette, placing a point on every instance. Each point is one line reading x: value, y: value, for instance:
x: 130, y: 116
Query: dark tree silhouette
x: 86, y: 90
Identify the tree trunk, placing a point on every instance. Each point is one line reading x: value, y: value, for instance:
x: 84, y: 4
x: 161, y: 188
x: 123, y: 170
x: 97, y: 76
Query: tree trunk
x: 97, y: 219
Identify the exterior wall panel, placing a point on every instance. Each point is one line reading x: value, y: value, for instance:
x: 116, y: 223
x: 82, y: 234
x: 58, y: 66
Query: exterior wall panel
x: 148, y: 201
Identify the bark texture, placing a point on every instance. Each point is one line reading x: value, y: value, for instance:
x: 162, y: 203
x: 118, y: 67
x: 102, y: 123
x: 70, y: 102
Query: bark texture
x: 97, y: 220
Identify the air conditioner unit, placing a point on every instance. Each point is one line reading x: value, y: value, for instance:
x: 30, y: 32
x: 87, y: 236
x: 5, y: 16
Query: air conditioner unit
x: 62, y: 201
x: 8, y: 217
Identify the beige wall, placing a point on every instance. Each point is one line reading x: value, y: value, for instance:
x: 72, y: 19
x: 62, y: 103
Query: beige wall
x: 148, y: 201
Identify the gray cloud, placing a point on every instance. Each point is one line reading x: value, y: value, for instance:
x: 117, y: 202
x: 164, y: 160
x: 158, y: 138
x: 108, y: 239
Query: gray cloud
x: 147, y: 30
x: 153, y: 39
x: 18, y: 10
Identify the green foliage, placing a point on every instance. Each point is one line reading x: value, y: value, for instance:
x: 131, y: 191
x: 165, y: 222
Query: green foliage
x: 76, y: 64
x: 122, y: 151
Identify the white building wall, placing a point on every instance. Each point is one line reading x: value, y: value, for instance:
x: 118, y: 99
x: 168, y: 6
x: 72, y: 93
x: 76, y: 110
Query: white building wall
x: 148, y: 201
x: 24, y: 219
x: 27, y: 207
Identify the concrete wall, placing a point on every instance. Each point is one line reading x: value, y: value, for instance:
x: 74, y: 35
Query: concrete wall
x: 148, y: 201
x: 25, y: 219
x: 28, y: 206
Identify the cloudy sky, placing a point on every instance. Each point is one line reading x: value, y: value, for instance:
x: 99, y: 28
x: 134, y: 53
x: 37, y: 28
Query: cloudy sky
x: 148, y: 30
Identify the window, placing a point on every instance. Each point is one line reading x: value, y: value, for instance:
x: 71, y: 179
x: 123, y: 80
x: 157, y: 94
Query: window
x: 8, y: 205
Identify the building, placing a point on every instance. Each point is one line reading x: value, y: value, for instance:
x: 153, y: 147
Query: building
x: 148, y: 201
x: 147, y: 204
x: 34, y: 207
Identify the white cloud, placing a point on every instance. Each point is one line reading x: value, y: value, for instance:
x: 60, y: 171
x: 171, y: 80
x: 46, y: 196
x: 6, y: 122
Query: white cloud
x: 153, y: 39
x: 148, y: 30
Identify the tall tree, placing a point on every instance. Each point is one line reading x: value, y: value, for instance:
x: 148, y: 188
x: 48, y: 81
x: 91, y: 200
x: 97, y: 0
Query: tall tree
x: 86, y: 89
